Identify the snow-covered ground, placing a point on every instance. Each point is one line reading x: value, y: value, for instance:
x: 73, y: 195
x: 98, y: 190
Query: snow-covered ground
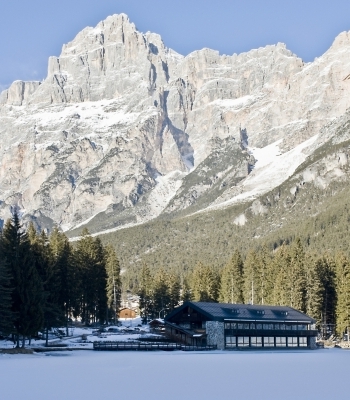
x: 83, y: 338
x: 243, y: 375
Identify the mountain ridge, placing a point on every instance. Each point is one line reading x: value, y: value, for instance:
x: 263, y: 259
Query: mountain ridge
x: 124, y: 130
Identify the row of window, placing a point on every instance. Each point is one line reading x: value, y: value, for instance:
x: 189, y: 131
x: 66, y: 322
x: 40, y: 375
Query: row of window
x: 277, y: 326
x: 270, y: 341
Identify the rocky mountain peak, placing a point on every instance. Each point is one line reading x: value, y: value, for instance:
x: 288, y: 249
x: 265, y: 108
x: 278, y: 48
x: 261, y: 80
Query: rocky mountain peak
x: 124, y: 128
x: 341, y: 41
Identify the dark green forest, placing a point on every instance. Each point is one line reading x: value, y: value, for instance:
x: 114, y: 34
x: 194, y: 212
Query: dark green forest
x: 45, y: 281
x: 315, y: 283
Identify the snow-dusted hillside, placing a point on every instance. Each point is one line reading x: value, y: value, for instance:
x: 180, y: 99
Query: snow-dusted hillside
x: 124, y: 129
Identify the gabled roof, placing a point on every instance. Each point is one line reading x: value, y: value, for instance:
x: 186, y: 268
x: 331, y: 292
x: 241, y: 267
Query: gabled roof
x: 248, y: 312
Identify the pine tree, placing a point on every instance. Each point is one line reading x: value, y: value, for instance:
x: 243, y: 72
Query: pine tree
x: 231, y: 290
x: 281, y: 266
x: 173, y: 285
x: 204, y: 283
x: 329, y: 297
x: 343, y: 293
x: 185, y: 292
x: 159, y: 293
x: 101, y: 281
x: 265, y: 280
x: 6, y: 315
x: 65, y: 273
x: 315, y: 289
x: 27, y: 294
x: 145, y: 292
x: 90, y: 261
x: 250, y: 278
x: 113, y: 281
x: 53, y: 313
x: 297, y: 277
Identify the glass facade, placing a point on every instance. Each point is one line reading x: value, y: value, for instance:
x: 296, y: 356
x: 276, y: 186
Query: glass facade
x: 267, y: 326
x: 281, y: 341
x: 266, y: 334
x: 243, y: 341
x: 292, y: 341
x: 230, y: 342
x: 269, y: 341
x: 256, y: 341
x: 265, y: 341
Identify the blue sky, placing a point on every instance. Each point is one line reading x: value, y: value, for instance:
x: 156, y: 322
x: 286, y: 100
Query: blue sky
x: 31, y: 31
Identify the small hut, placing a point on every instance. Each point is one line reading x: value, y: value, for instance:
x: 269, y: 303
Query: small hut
x: 127, y: 313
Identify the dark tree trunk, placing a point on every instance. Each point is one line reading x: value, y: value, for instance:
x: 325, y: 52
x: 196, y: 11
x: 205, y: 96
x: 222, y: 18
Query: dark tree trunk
x: 47, y: 337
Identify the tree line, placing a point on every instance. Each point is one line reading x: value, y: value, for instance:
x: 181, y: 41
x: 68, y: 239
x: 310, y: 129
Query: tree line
x: 316, y: 284
x: 46, y: 280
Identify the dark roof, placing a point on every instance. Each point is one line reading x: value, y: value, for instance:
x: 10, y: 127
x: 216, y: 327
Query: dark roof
x: 248, y: 312
x: 156, y: 321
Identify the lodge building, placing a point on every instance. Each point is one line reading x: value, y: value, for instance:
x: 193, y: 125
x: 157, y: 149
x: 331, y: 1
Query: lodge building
x: 235, y: 326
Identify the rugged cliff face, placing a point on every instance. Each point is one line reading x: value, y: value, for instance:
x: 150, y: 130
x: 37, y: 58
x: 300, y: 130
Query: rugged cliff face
x: 124, y: 129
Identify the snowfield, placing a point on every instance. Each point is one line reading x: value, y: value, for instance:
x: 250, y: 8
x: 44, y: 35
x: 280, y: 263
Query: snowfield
x: 242, y: 375
x: 272, y: 168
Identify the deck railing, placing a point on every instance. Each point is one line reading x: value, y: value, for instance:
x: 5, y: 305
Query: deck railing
x: 148, y: 346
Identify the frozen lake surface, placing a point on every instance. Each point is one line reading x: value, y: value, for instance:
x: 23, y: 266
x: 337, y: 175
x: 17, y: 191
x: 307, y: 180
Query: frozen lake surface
x: 320, y: 374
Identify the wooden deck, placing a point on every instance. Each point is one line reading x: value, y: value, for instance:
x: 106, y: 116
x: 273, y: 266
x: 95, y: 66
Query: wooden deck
x: 118, y: 346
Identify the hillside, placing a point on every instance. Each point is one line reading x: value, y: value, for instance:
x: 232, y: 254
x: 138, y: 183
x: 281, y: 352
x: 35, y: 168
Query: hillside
x: 312, y: 204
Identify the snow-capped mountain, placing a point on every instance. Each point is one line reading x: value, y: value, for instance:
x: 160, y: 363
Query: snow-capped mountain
x: 124, y: 129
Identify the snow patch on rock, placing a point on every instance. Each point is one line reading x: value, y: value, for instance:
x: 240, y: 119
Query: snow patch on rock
x: 271, y: 169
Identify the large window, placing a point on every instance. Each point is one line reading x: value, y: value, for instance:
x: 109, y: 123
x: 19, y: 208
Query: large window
x: 266, y: 326
x: 242, y: 326
x: 280, y: 327
x: 292, y: 342
x: 256, y: 341
x: 297, y: 327
x: 242, y: 341
x: 230, y: 341
x: 269, y: 341
x: 303, y: 341
x: 281, y: 342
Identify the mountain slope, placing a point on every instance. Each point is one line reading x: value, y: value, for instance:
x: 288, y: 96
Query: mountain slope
x: 124, y: 130
x: 312, y: 204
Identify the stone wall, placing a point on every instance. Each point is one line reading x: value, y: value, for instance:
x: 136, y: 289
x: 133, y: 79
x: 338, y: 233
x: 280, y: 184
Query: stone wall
x: 313, y: 342
x: 215, y: 334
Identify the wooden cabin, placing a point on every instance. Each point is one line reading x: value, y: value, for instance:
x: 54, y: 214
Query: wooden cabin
x: 127, y: 313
